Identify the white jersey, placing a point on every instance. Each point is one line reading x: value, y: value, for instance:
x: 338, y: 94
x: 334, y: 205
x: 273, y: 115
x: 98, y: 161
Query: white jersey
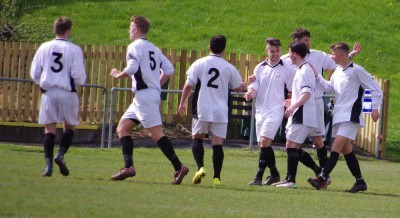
x: 58, y: 64
x: 304, y: 81
x: 213, y: 77
x: 321, y: 62
x: 270, y: 83
x: 348, y: 84
x: 144, y: 64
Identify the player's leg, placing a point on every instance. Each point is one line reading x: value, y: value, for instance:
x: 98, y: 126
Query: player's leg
x: 218, y: 134
x: 124, y: 128
x: 305, y: 158
x: 322, y: 152
x: 198, y: 155
x: 49, y: 140
x: 65, y: 143
x: 158, y: 136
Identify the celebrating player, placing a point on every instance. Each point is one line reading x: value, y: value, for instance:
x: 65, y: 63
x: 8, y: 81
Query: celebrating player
x: 58, y: 67
x: 301, y: 112
x: 348, y: 82
x: 144, y: 64
x: 213, y: 76
x: 271, y: 78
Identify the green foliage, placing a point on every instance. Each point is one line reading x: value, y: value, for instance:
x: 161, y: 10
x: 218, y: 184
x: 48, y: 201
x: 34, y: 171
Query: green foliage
x: 88, y: 191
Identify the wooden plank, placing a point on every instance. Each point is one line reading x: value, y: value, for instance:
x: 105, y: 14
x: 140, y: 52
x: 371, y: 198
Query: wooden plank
x: 21, y: 61
x: 385, y: 116
x: 232, y: 59
x: 2, y: 50
x: 13, y: 85
x: 29, y: 110
x: 6, y: 73
x: 101, y: 81
x: 184, y: 59
x: 93, y: 80
x: 87, y: 51
x: 122, y: 83
x: 192, y: 59
x: 170, y: 98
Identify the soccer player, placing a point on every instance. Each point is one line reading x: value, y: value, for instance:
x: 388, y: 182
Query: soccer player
x: 272, y: 76
x: 301, y: 112
x: 58, y: 67
x: 144, y: 64
x: 348, y: 83
x: 321, y: 62
x: 213, y: 76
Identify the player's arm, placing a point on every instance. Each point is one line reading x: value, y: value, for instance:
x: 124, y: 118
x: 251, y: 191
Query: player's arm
x: 356, y: 50
x: 78, y: 68
x: 303, y: 98
x: 118, y: 74
x: 367, y: 82
x: 163, y: 78
x: 36, y: 68
x: 187, y: 89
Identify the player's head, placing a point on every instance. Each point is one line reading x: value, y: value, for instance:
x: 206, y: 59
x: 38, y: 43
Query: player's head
x: 62, y: 26
x: 302, y: 35
x: 273, y: 49
x: 217, y: 44
x: 297, y: 52
x: 139, y: 27
x: 340, y: 51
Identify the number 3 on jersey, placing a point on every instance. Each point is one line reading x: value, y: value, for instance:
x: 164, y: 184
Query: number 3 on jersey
x: 58, y: 62
x: 216, y: 75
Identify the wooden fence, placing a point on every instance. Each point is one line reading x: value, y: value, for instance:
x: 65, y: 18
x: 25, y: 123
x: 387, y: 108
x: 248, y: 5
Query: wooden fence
x: 19, y: 102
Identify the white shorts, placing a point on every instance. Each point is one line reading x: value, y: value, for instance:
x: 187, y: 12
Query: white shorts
x: 145, y: 108
x: 59, y: 106
x: 299, y: 132
x: 320, y: 111
x: 346, y: 129
x: 217, y: 129
x: 267, y: 129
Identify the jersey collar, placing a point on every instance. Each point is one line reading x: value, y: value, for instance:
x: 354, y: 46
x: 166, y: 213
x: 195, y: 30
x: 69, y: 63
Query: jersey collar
x: 216, y: 55
x: 266, y: 63
x: 302, y: 64
x: 62, y: 39
x: 350, y: 65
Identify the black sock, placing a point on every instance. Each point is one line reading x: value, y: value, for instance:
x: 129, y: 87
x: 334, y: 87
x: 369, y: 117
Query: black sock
x: 322, y: 154
x: 354, y: 167
x: 166, y: 147
x: 218, y: 159
x: 198, y: 152
x: 271, y: 162
x: 49, y: 139
x: 127, y: 150
x: 66, y: 141
x: 262, y: 163
x: 306, y: 159
x: 292, y: 162
x: 330, y: 164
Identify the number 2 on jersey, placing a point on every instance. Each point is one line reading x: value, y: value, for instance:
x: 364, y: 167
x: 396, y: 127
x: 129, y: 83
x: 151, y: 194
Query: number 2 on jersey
x: 210, y: 82
x: 57, y: 61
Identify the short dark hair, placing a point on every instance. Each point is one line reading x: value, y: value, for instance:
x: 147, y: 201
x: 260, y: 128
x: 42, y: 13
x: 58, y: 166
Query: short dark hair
x: 142, y: 23
x: 273, y: 41
x: 300, y: 33
x: 217, y: 44
x: 340, y: 46
x: 62, y: 25
x: 299, y: 47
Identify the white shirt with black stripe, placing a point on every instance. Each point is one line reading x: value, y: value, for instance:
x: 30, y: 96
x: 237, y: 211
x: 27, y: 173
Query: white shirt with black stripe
x: 144, y: 64
x: 321, y: 62
x: 270, y: 83
x: 303, y: 82
x: 58, y: 63
x: 348, y: 84
x: 213, y: 76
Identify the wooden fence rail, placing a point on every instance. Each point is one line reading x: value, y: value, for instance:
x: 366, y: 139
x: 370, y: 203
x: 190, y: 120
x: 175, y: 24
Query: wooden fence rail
x: 19, y: 102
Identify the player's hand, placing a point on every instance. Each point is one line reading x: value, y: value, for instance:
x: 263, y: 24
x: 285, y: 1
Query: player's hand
x: 288, y: 112
x: 114, y: 72
x: 287, y: 102
x: 181, y: 109
x: 356, y: 48
x: 375, y: 115
x: 243, y: 86
x: 250, y: 94
x: 251, y: 78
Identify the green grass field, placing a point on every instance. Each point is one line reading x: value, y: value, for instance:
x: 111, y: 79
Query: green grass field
x: 89, y: 192
x: 189, y: 24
